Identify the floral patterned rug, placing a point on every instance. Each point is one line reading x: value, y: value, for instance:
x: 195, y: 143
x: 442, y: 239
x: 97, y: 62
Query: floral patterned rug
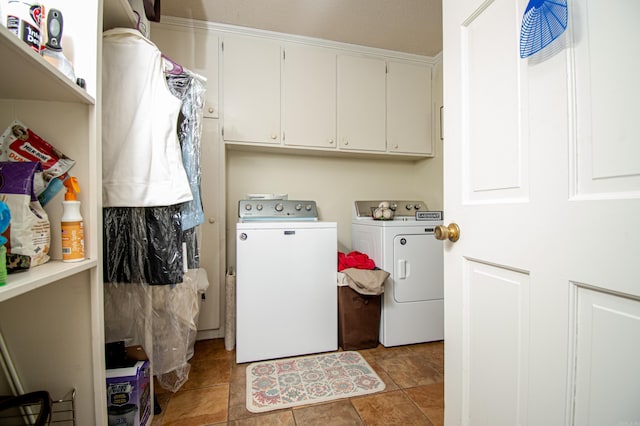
x: 283, y: 383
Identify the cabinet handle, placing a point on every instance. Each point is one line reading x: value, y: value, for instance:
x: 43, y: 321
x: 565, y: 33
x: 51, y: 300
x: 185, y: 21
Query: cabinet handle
x: 441, y: 120
x: 330, y: 141
x: 212, y: 220
x: 274, y: 137
x: 395, y: 146
x: 346, y: 143
x: 211, y: 110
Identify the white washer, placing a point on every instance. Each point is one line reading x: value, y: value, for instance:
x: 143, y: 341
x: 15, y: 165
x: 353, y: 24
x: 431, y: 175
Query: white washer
x: 413, y: 298
x: 286, y: 295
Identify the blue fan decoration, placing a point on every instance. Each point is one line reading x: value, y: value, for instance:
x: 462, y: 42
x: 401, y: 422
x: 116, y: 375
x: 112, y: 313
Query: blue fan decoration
x: 543, y: 22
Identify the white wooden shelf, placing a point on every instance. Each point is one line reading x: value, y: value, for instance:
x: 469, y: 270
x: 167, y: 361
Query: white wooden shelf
x: 42, y: 275
x: 26, y: 75
x: 118, y: 13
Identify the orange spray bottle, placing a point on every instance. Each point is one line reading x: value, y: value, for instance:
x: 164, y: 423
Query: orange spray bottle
x: 71, y: 222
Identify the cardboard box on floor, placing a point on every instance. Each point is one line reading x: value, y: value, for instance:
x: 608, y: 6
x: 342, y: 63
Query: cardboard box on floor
x: 129, y: 391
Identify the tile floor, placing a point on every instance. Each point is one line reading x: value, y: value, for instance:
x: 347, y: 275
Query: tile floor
x: 215, y: 392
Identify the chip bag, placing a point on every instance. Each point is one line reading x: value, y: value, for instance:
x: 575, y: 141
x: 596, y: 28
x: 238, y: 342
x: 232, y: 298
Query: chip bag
x: 18, y: 143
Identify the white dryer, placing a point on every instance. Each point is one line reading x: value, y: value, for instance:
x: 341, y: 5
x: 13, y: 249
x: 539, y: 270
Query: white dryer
x: 413, y: 299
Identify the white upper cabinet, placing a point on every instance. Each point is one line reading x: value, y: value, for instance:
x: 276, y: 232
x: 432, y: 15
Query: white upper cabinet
x: 279, y: 91
x: 309, y: 96
x: 251, y: 90
x: 195, y: 49
x: 409, y: 117
x: 361, y: 103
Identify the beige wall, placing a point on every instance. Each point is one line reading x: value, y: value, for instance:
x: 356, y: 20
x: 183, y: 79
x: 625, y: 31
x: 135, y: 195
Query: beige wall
x: 333, y: 182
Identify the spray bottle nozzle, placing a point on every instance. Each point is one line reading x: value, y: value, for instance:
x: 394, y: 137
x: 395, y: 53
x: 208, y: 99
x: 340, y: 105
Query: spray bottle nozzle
x: 71, y: 183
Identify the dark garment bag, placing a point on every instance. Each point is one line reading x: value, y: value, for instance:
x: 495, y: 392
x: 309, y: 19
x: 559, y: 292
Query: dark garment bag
x: 358, y: 319
x: 142, y: 245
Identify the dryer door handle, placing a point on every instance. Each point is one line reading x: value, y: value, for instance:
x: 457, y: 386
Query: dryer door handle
x: 402, y: 269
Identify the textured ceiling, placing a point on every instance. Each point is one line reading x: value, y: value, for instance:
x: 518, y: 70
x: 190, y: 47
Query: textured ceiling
x: 412, y: 26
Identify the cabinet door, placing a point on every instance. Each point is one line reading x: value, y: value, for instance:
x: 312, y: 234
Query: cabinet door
x: 251, y: 90
x: 361, y: 103
x: 409, y: 119
x: 212, y: 230
x: 195, y: 49
x: 309, y: 96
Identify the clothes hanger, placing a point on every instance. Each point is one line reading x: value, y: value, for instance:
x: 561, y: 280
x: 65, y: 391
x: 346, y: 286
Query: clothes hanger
x: 170, y: 66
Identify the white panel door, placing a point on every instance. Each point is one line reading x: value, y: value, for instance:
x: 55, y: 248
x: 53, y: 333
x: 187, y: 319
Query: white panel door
x: 608, y: 336
x: 542, y: 291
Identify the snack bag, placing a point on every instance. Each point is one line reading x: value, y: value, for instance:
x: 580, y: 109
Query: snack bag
x: 29, y: 232
x: 19, y: 143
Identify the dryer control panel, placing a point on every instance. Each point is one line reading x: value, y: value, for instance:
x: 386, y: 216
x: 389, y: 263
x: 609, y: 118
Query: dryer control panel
x: 403, y: 209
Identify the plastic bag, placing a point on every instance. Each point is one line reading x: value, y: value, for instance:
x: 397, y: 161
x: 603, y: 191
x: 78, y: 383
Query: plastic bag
x: 163, y: 318
x: 190, y: 88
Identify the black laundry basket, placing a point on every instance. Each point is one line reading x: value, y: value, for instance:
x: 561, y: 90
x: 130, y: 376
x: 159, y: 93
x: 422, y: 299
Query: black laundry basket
x: 358, y: 319
x: 32, y: 408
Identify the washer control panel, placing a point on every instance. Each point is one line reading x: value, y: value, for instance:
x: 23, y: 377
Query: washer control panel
x: 273, y: 210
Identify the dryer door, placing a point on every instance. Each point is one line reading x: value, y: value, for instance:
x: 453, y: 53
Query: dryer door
x: 417, y: 268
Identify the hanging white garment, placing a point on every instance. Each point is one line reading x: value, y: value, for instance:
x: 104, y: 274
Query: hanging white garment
x: 141, y: 156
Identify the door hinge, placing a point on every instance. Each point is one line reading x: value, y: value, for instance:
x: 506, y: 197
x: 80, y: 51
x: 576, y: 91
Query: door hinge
x: 222, y: 132
x: 284, y: 55
x: 222, y: 46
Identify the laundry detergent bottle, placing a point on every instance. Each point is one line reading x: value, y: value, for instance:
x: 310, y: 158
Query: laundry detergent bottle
x: 71, y: 222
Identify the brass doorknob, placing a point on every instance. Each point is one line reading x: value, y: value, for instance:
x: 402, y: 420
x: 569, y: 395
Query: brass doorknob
x: 451, y: 232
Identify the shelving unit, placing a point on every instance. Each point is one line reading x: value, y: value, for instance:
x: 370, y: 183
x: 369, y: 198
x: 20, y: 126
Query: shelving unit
x: 51, y: 316
x: 27, y: 77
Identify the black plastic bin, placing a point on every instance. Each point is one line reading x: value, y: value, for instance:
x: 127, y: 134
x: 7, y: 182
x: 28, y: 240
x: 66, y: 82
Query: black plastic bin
x: 358, y: 319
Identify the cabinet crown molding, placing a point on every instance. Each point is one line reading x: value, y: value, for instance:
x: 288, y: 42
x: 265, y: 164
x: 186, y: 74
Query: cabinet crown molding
x: 292, y: 38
